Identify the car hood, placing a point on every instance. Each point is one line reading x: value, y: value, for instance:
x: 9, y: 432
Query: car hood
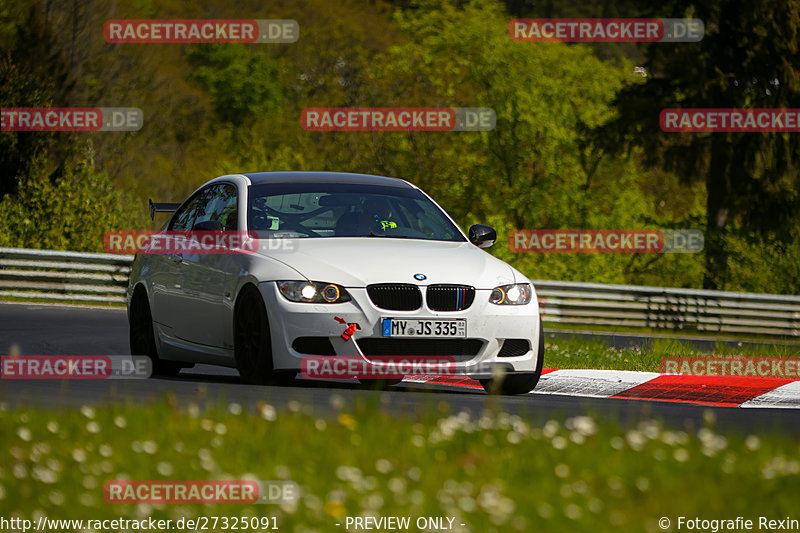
x: 360, y: 261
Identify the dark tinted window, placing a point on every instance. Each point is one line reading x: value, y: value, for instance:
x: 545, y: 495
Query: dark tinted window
x: 346, y: 210
x: 216, y: 202
x: 220, y: 204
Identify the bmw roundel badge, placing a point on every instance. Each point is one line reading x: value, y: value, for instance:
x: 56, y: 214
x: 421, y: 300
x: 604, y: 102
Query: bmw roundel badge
x: 420, y: 277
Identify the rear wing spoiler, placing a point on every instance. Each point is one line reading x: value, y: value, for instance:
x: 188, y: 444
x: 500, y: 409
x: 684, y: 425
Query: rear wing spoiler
x: 161, y: 207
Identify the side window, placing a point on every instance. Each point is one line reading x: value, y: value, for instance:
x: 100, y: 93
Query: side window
x: 217, y: 202
x: 220, y: 205
x: 184, y: 218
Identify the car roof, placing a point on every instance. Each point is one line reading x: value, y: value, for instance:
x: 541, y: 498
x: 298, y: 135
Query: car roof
x: 259, y: 178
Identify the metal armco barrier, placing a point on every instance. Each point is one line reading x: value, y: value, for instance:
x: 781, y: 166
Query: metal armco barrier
x: 73, y: 276
x: 680, y: 310
x: 57, y: 275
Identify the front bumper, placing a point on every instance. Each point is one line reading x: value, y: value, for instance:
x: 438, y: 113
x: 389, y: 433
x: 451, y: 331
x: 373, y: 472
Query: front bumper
x: 487, y: 323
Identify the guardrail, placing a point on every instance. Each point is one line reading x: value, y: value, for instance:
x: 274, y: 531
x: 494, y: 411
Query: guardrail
x: 683, y: 310
x: 63, y: 276
x: 73, y: 276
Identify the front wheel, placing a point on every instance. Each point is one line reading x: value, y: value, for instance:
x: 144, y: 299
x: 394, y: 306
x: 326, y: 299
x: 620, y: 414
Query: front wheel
x: 251, y: 338
x: 380, y: 384
x: 518, y: 383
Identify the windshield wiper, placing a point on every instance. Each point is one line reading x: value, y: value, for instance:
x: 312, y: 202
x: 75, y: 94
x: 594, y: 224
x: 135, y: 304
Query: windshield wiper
x: 386, y: 235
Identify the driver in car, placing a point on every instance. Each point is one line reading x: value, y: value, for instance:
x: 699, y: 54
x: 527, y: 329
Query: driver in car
x: 377, y: 213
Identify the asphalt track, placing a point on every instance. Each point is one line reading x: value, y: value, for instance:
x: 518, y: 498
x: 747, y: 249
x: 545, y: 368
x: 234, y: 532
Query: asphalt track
x: 63, y: 330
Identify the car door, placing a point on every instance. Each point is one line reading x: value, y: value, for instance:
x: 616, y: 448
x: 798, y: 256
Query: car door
x: 205, y: 275
x: 170, y: 302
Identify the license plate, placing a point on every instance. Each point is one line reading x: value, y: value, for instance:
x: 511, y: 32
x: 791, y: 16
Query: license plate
x: 424, y: 327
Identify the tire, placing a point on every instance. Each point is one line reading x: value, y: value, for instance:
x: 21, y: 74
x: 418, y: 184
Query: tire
x: 251, y: 338
x: 511, y: 384
x: 143, y: 337
x: 380, y: 384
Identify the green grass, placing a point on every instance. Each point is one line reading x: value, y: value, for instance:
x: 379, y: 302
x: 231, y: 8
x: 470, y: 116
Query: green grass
x: 660, y: 332
x: 597, y: 353
x: 495, y: 472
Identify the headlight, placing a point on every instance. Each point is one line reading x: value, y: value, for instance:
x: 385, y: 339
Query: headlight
x: 316, y: 292
x: 517, y: 294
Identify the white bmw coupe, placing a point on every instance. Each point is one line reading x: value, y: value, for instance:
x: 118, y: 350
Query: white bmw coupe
x: 347, y: 266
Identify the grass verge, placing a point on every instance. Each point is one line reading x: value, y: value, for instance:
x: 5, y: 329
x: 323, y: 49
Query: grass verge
x: 495, y: 472
x: 597, y: 353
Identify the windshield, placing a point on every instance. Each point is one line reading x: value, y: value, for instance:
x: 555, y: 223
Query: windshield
x: 346, y: 210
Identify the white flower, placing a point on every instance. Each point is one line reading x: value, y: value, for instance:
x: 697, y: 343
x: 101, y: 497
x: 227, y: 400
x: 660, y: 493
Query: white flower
x: 164, y: 468
x: 268, y: 412
x: 585, y: 425
x: 384, y: 466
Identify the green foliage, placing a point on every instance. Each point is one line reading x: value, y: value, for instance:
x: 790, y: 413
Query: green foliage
x: 69, y: 209
x: 570, y: 149
x: 241, y: 83
x: 539, y: 167
x: 747, y: 59
x: 19, y: 88
x: 764, y: 263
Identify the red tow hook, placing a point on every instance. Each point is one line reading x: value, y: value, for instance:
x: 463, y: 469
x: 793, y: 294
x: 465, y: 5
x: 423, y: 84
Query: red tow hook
x: 351, y: 328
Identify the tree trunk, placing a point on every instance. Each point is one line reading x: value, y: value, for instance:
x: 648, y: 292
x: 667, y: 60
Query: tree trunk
x: 718, y: 191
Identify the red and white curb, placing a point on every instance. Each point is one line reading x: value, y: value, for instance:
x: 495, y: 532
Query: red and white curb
x: 721, y: 391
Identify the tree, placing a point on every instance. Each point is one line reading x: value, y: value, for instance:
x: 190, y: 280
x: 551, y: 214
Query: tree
x: 242, y: 84
x: 70, y: 209
x: 19, y: 88
x: 748, y: 58
x: 539, y: 167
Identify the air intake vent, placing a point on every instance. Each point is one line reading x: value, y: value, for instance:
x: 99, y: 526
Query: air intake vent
x: 395, y: 296
x: 450, y: 297
x: 375, y: 346
x: 313, y: 346
x: 514, y: 348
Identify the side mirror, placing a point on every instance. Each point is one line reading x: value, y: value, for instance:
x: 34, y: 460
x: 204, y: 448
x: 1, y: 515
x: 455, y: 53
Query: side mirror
x: 208, y: 225
x: 482, y: 236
